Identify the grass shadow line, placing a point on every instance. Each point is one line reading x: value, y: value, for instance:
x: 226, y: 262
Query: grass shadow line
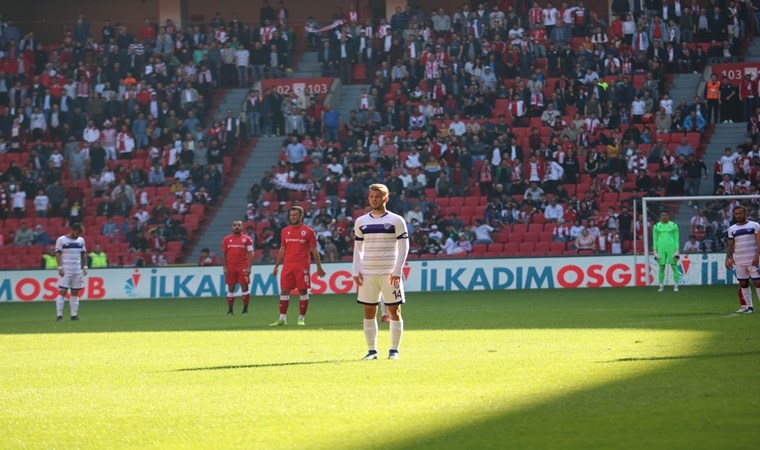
x: 260, y: 366
x: 679, y: 357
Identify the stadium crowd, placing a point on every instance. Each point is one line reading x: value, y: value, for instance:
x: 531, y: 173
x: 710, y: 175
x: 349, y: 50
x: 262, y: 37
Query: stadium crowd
x: 485, y: 123
x: 112, y: 126
x: 492, y: 122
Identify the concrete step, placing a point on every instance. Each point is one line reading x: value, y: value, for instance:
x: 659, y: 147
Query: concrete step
x: 264, y: 155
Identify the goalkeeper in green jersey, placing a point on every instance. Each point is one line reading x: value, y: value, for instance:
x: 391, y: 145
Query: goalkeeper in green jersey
x: 665, y: 241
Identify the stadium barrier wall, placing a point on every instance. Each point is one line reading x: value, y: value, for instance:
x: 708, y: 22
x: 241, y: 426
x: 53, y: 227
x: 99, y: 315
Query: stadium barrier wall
x: 421, y: 276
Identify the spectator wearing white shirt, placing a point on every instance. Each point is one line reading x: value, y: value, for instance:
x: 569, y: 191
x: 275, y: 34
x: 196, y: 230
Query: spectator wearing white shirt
x: 41, y: 204
x: 18, y: 201
x: 414, y: 213
x: 553, y: 178
x: 482, y: 232
x: 638, y: 108
x: 576, y: 229
x: 554, y: 211
x: 37, y: 123
x: 413, y: 159
x: 242, y: 58
x: 692, y: 245
x: 728, y: 163
x: 435, y: 234
x: 457, y: 127
x: 666, y: 103
x: 335, y: 167
x: 91, y: 133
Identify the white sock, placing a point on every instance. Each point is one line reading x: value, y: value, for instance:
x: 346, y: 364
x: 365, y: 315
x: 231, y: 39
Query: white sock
x: 74, y: 304
x: 747, y: 294
x: 59, y: 305
x: 397, y: 329
x: 370, y: 333
x: 384, y: 308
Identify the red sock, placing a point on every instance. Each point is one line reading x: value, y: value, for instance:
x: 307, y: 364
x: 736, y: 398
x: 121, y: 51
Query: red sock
x: 284, y: 305
x: 303, y: 304
x: 230, y: 301
x: 246, y: 298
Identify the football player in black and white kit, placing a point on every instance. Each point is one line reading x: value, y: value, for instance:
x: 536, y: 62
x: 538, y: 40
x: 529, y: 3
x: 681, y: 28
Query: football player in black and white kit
x: 70, y: 253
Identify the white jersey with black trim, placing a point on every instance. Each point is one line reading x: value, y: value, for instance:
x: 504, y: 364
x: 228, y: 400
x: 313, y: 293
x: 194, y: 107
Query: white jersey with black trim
x: 382, y: 244
x: 71, y: 254
x: 745, y: 245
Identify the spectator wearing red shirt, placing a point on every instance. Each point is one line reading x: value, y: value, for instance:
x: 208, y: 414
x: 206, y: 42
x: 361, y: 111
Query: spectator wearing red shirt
x: 297, y: 241
x: 237, y: 257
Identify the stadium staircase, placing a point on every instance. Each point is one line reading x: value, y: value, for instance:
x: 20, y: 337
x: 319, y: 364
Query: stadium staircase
x: 684, y: 87
x: 266, y: 153
x: 307, y: 66
x: 349, y: 98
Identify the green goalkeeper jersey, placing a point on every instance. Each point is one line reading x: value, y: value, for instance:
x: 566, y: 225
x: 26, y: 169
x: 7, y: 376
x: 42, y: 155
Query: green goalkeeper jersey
x: 665, y: 236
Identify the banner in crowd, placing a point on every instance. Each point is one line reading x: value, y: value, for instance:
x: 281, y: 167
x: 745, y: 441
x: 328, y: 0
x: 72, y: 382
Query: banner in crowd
x: 335, y: 24
x: 301, y: 86
x: 421, y: 276
x: 735, y: 72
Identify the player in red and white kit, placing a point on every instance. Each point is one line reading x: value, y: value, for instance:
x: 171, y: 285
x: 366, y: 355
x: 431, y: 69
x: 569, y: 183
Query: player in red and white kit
x: 237, y: 256
x: 297, y: 241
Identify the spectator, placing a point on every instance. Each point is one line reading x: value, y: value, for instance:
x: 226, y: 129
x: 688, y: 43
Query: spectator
x: 554, y: 211
x: 207, y: 258
x: 461, y: 247
x: 482, y: 232
x: 97, y: 259
x: 40, y: 236
x: 48, y: 260
x: 692, y: 246
x: 41, y: 204
x: 585, y: 241
x: 24, y: 235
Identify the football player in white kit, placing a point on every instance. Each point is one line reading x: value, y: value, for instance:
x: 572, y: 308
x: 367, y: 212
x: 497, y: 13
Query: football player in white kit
x: 70, y: 253
x: 743, y: 255
x: 380, y: 249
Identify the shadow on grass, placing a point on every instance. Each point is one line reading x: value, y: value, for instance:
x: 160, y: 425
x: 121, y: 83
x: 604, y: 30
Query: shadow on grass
x: 677, y: 357
x: 691, y: 403
x: 261, y: 366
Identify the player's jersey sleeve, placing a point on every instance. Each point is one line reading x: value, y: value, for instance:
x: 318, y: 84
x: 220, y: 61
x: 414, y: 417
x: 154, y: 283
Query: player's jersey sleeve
x: 401, y: 230
x: 59, y: 245
x: 312, y: 239
x: 224, y: 245
x: 84, y: 247
x: 358, y: 235
x: 248, y: 243
x: 283, y: 241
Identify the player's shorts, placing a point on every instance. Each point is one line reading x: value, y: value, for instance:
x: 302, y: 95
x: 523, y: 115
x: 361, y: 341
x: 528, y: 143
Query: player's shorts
x: 373, y: 286
x: 666, y: 257
x: 75, y: 281
x: 237, y: 277
x: 746, y: 271
x: 295, y: 279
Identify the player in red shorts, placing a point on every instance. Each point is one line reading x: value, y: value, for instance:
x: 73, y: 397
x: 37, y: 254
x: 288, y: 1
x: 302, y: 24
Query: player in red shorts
x: 297, y: 241
x: 237, y: 258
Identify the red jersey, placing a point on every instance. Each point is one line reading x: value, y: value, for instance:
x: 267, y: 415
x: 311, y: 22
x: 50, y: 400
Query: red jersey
x: 297, y: 242
x: 235, y: 248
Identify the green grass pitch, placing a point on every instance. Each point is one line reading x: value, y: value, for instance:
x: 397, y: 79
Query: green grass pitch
x: 541, y: 369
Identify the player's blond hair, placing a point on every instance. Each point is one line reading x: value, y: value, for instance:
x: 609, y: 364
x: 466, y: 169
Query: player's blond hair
x: 297, y: 208
x: 380, y: 187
